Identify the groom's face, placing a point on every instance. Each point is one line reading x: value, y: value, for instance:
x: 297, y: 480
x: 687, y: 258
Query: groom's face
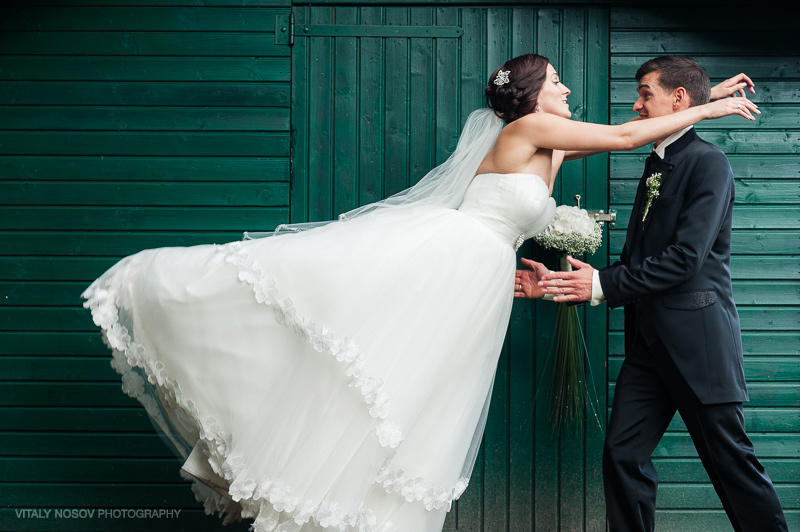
x: 653, y: 100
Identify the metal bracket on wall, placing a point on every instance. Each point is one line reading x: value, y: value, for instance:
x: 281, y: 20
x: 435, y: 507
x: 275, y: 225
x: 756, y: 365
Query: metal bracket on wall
x: 286, y: 31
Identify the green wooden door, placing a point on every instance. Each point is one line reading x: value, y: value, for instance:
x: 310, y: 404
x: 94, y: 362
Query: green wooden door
x: 379, y: 97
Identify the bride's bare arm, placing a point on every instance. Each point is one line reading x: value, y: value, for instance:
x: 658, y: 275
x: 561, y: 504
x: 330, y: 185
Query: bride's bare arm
x: 545, y: 130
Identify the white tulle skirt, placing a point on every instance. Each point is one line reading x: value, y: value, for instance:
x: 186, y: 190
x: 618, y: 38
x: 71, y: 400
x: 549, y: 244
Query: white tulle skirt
x: 333, y: 379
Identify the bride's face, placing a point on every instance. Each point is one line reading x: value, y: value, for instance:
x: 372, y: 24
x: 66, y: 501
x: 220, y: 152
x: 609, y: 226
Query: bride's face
x: 553, y: 95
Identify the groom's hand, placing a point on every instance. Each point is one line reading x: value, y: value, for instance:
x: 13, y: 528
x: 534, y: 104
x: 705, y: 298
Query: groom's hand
x: 570, y: 287
x: 526, y: 282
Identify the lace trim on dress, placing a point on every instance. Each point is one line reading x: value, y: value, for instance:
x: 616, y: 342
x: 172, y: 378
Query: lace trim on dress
x: 416, y: 489
x: 265, y: 498
x: 344, y: 350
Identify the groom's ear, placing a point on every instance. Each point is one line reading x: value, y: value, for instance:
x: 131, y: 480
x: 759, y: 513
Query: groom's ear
x: 680, y: 99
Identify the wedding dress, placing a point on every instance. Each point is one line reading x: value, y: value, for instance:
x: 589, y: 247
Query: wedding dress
x: 331, y: 379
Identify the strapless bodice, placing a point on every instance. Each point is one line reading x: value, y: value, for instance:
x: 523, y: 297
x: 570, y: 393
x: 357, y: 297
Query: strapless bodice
x: 512, y: 205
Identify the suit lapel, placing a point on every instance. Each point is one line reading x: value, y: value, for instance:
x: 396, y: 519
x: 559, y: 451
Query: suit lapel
x: 635, y: 228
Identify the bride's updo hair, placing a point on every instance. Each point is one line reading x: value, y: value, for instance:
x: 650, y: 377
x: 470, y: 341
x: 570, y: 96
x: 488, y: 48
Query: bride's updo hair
x: 514, y: 92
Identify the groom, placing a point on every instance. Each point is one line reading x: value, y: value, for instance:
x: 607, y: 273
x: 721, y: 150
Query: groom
x: 682, y: 341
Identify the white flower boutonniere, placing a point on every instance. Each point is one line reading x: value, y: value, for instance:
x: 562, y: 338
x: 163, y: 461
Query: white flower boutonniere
x: 653, y: 184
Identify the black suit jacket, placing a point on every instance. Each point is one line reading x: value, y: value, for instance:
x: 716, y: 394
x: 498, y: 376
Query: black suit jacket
x: 674, y: 277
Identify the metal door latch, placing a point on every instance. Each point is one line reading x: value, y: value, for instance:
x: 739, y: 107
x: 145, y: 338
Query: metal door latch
x: 601, y: 216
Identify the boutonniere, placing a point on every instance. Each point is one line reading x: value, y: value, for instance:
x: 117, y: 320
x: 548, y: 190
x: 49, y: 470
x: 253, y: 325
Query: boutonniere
x: 653, y: 184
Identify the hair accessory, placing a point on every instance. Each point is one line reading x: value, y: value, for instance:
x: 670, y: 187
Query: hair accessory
x: 502, y: 77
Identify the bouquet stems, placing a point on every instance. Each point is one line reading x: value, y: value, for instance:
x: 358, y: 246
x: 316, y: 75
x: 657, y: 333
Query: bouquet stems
x: 569, y: 372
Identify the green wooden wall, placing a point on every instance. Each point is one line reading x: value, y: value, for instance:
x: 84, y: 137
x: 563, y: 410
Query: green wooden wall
x: 127, y: 125
x: 765, y: 262
x: 121, y: 128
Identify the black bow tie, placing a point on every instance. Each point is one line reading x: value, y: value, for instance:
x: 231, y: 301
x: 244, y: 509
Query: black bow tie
x: 653, y: 161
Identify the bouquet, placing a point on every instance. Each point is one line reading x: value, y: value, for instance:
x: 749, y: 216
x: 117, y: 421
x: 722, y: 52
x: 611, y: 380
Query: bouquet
x: 571, y: 232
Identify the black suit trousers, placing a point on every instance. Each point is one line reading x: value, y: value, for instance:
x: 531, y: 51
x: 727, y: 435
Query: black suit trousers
x: 649, y: 391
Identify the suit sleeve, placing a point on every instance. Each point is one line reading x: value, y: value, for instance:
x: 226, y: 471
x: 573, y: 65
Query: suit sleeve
x: 705, y: 207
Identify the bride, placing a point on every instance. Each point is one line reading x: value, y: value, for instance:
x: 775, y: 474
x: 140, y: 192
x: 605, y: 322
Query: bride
x: 337, y: 377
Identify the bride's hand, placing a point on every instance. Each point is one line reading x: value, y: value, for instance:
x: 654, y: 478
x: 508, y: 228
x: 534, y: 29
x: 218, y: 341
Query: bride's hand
x: 526, y: 282
x: 732, y: 86
x: 732, y: 106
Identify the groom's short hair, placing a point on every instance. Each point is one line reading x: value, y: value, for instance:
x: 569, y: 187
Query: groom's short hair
x: 679, y: 71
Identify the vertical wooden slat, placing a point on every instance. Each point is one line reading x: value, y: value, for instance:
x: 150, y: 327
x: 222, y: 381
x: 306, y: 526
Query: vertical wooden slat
x: 596, y: 168
x: 547, y: 464
x: 346, y: 138
x: 423, y: 113
x: 371, y: 111
x: 321, y: 163
x: 398, y: 104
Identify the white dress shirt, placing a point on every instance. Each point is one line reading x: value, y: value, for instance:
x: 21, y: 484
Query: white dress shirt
x: 597, y: 289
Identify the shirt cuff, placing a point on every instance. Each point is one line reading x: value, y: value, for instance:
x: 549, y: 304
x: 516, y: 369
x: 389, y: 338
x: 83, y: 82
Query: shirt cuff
x: 597, y: 290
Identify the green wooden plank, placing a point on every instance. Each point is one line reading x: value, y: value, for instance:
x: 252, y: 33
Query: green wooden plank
x: 755, y: 267
x: 255, y: 4
x: 90, y: 445
x: 636, y: 18
x: 549, y: 28
x: 186, y: 43
x: 702, y: 496
x: 771, y: 242
x: 707, y: 520
x: 45, y: 319
x: 64, y: 394
x: 141, y: 143
x: 624, y: 67
x: 398, y: 108
x: 76, y: 419
x: 692, y: 470
x: 145, y: 93
x: 756, y: 369
x: 751, y: 166
x: 754, y: 343
x: 371, y: 96
x: 168, y: 168
x: 781, y: 92
x: 125, y: 495
x: 680, y: 445
x: 764, y: 394
x: 53, y: 268
x: 134, y: 68
x: 772, y: 117
x: 346, y: 136
x: 320, y: 158
x: 110, y: 243
x: 496, y: 486
x: 126, y: 18
x: 747, y: 191
x: 189, y: 520
x: 95, y: 470
x: 776, y: 421
x: 56, y: 368
x: 766, y: 293
x: 706, y: 41
x: 778, y: 318
x: 144, y: 194
x: 744, y: 216
x: 141, y: 218
x: 45, y: 343
x: 58, y: 118
x: 422, y: 78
